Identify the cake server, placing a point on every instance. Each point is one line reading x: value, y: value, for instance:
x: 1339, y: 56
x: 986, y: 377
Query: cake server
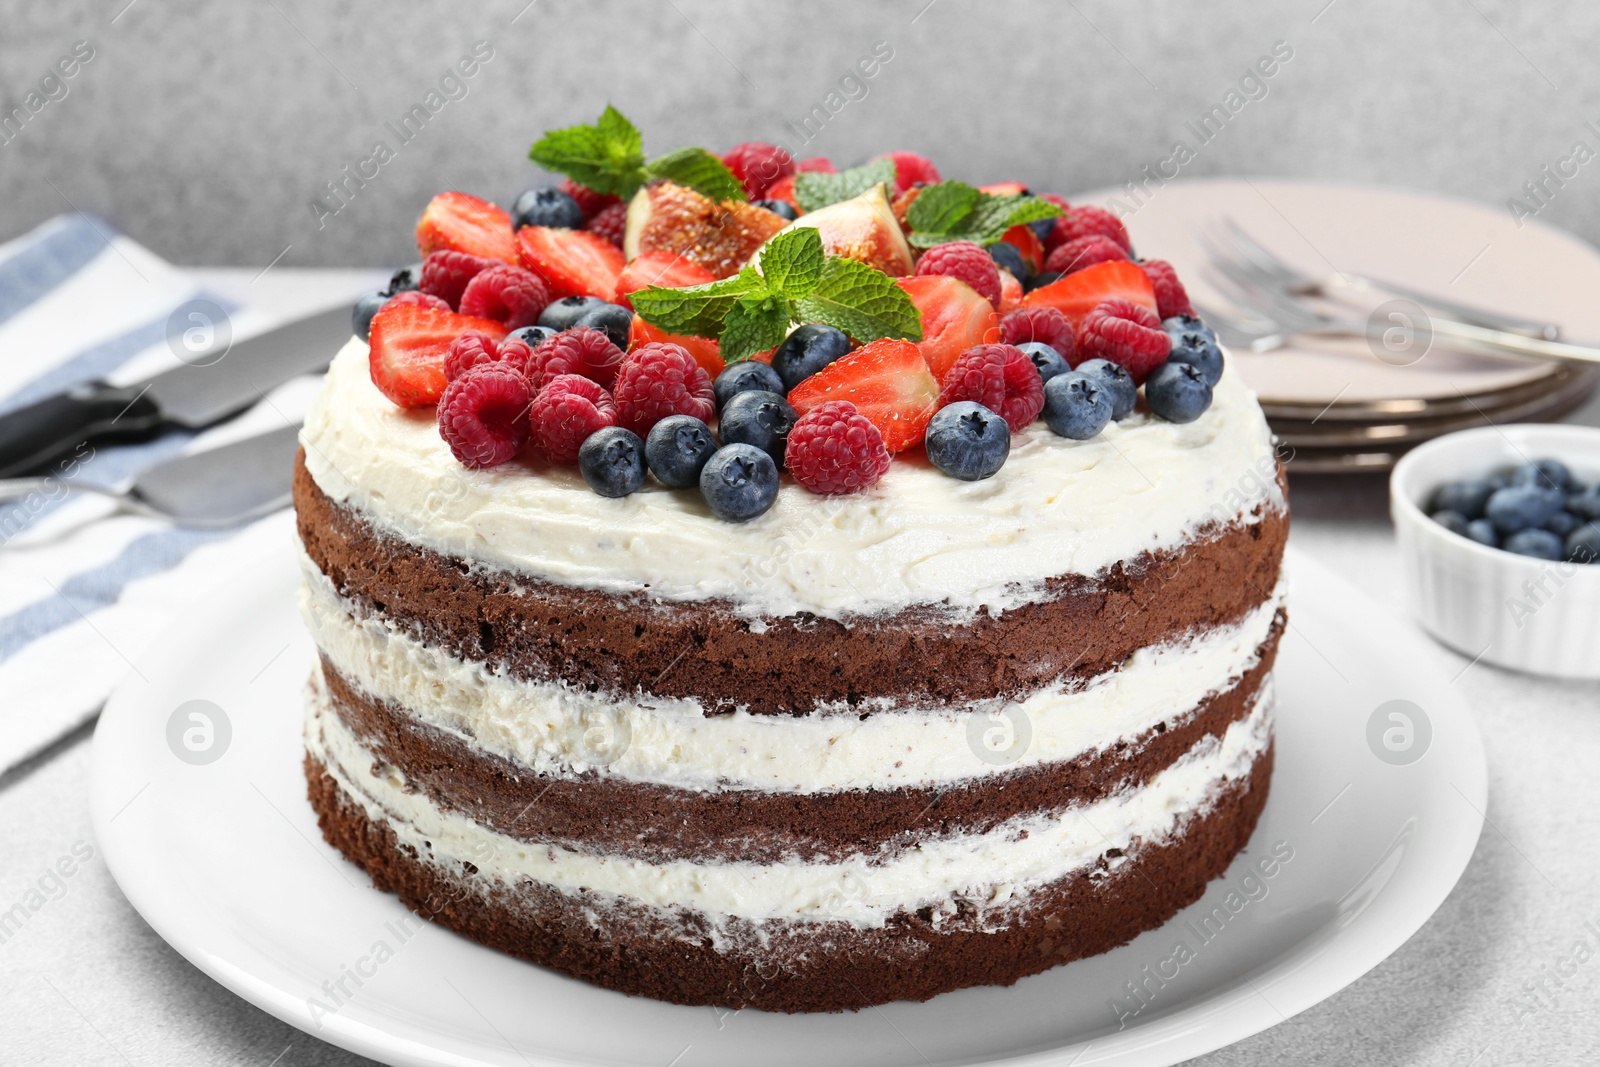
x: 206, y: 389
x: 220, y: 487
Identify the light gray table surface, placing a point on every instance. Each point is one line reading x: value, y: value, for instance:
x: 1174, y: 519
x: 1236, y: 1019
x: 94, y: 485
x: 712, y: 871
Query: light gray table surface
x: 86, y: 982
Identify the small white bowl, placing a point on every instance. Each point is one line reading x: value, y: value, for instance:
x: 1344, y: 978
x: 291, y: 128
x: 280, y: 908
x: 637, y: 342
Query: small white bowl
x: 1527, y: 614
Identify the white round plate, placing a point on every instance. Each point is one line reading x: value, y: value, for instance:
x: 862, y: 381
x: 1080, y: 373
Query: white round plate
x: 224, y: 860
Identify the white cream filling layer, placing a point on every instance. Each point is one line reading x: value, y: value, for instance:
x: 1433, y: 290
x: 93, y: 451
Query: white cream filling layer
x: 558, y: 729
x: 917, y: 537
x: 995, y: 867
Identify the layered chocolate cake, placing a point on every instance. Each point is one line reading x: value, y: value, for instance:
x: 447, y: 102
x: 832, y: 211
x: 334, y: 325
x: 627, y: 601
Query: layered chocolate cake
x: 907, y: 728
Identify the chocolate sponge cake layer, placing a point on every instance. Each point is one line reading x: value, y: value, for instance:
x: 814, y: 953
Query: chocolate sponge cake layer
x: 625, y: 643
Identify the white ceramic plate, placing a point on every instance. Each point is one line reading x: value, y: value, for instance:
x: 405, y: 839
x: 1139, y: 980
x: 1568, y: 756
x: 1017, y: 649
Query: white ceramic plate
x: 224, y: 860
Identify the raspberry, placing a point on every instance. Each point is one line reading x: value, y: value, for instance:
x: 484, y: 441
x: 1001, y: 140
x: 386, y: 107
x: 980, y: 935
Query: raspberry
x: 611, y: 223
x: 515, y: 351
x: 660, y: 379
x: 581, y: 350
x: 967, y: 261
x: 1125, y: 333
x: 1083, y: 220
x: 512, y: 295
x: 483, y: 415
x: 419, y: 299
x: 446, y: 274
x: 567, y: 410
x: 1000, y: 377
x: 1171, y: 297
x: 758, y: 165
x: 909, y: 169
x: 591, y: 202
x: 833, y: 448
x: 1081, y: 252
x: 816, y: 165
x: 1044, y: 324
x: 469, y: 350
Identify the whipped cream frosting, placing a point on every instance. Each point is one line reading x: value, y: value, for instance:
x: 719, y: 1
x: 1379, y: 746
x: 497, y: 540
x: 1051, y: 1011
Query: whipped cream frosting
x: 917, y: 537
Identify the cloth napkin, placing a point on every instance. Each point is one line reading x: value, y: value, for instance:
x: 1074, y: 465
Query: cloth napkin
x: 84, y: 589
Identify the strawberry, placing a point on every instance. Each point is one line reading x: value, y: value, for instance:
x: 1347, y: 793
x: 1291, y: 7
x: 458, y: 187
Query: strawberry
x: 783, y: 189
x: 1003, y: 189
x: 409, y: 346
x: 571, y: 262
x: 1010, y: 293
x: 705, y: 350
x: 889, y: 383
x: 954, y: 318
x: 456, y: 222
x: 666, y: 269
x: 1077, y: 294
x: 1024, y: 240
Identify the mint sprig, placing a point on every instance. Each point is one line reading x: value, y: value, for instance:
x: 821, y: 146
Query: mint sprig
x: 813, y: 191
x: 608, y: 157
x: 955, y: 211
x: 797, y: 282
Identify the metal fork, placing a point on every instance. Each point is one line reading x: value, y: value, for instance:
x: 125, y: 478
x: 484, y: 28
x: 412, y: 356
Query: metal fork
x: 1230, y: 243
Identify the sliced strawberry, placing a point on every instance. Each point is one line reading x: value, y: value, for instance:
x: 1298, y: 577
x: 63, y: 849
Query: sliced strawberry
x: 409, y: 345
x: 888, y: 381
x: 666, y: 269
x: 457, y: 222
x: 1010, y: 293
x: 705, y: 350
x: 1078, y: 293
x: 783, y: 189
x: 571, y: 262
x: 954, y: 318
x: 1024, y: 240
x: 1003, y: 189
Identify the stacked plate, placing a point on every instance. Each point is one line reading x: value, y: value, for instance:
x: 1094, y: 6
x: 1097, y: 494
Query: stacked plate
x: 1351, y: 405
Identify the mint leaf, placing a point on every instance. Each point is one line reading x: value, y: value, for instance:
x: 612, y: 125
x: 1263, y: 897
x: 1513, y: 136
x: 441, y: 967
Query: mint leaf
x: 994, y: 216
x: 700, y: 171
x: 608, y: 157
x: 819, y: 190
x: 863, y: 302
x: 792, y: 263
x: 940, y: 208
x: 699, y: 309
x: 955, y: 211
x: 758, y: 321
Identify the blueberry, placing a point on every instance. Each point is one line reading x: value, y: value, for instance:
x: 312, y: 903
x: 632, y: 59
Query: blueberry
x: 1040, y: 280
x: 1453, y: 521
x: 1500, y: 478
x: 1201, y: 351
x: 1178, y: 392
x: 781, y: 208
x: 1178, y: 325
x: 1546, y: 474
x: 546, y: 206
x: 1046, y: 359
x: 1467, y: 497
x: 1583, y: 544
x: 1042, y: 228
x: 1562, y: 523
x: 968, y: 441
x: 1540, y: 544
x: 614, y: 320
x: 1585, y: 505
x: 361, y: 314
x: 1483, y: 532
x: 807, y: 350
x: 1520, y: 507
x: 1077, y: 405
x: 564, y: 314
x: 611, y: 460
x: 739, y: 482
x: 1008, y: 256
x: 404, y: 279
x: 745, y: 376
x: 677, y: 449
x: 532, y: 335
x: 1116, y: 379
x: 758, y: 418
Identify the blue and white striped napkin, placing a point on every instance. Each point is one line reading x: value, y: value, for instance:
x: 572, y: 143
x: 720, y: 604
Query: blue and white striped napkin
x: 85, y: 590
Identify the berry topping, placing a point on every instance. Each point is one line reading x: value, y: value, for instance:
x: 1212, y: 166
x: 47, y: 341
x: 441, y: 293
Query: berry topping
x: 816, y: 165
x: 361, y: 314
x: 546, y: 206
x: 1046, y: 325
x: 563, y: 314
x: 408, y: 348
x: 665, y: 269
x: 1200, y: 350
x: 1010, y: 293
x: 739, y: 482
x: 1081, y: 252
x: 967, y: 261
x: 506, y: 294
x: 1083, y: 220
x: 446, y: 274
x: 758, y: 418
x: 745, y: 376
x: 968, y: 441
x: 1178, y: 392
x: 1182, y: 324
x: 889, y: 383
x: 806, y: 350
x: 565, y: 412
x: 1001, y: 378
x: 954, y: 318
x: 1045, y: 227
x: 613, y: 320
x: 705, y: 350
x: 457, y: 222
x: 589, y: 201
x: 1117, y: 381
x: 612, y: 461
x: 470, y: 349
x: 833, y: 449
x: 582, y: 350
x: 612, y: 224
x: 1125, y: 333
x: 1172, y: 299
x: 677, y: 450
x: 1028, y: 245
x: 417, y: 299
x: 1076, y: 406
x: 530, y: 336
x: 782, y: 208
x: 910, y: 169
x: 1046, y: 360
x: 571, y: 262
x: 1007, y: 257
x: 403, y: 279
x: 1521, y: 507
x: 758, y: 166
x: 1076, y: 294
x: 657, y: 380
x: 483, y: 415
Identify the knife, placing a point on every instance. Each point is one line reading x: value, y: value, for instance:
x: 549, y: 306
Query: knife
x: 193, y: 395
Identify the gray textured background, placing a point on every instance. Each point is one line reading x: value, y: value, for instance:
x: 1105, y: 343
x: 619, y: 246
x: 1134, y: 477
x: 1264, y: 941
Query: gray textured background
x: 205, y: 129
